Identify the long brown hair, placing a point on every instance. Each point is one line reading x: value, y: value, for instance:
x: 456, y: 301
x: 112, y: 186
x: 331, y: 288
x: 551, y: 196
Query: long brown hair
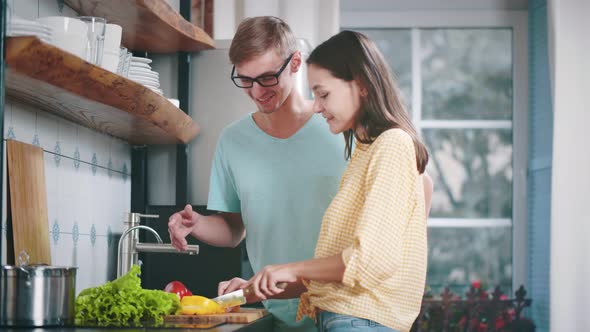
x: 351, y: 56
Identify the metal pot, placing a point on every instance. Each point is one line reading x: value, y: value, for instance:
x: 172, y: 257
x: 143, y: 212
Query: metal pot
x: 37, y: 295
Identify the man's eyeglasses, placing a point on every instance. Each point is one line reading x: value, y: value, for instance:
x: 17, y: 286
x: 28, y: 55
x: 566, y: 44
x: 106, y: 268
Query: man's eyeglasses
x: 266, y: 80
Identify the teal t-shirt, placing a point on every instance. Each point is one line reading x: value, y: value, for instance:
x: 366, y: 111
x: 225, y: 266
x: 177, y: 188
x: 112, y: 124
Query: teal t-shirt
x: 282, y: 188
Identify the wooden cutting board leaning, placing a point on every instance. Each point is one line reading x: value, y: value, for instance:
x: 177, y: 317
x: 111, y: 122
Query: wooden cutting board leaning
x: 28, y: 203
x: 243, y: 316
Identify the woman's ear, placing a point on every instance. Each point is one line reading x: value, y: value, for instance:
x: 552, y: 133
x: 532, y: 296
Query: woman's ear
x: 362, y: 89
x: 364, y: 92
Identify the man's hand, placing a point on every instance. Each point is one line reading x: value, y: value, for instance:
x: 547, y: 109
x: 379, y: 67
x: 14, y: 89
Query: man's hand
x: 229, y: 286
x: 180, y: 225
x: 235, y: 284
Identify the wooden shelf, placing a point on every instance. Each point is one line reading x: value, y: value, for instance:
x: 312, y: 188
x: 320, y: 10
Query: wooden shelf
x: 62, y: 83
x: 148, y: 25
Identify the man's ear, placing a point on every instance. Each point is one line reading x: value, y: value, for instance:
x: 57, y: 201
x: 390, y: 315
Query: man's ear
x: 296, y: 62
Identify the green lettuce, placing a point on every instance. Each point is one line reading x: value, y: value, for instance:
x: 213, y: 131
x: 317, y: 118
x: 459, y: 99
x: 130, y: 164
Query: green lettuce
x: 123, y: 302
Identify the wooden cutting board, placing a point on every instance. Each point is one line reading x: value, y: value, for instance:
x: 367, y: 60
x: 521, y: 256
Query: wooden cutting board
x: 28, y: 202
x: 243, y: 316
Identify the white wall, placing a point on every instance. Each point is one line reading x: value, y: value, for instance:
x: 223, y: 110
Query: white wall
x: 87, y: 178
x: 312, y: 20
x: 570, y: 216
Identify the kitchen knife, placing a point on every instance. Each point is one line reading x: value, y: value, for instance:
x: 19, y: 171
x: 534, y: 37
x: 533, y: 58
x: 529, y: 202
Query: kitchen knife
x: 238, y: 297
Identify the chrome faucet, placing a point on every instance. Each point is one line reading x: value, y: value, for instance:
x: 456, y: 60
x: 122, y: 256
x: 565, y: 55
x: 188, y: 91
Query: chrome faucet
x: 129, y: 245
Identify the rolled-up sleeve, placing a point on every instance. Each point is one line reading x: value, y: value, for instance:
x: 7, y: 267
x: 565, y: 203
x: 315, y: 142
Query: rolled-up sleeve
x: 389, y: 201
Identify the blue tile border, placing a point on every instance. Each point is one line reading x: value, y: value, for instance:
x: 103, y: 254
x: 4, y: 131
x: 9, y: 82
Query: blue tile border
x: 110, y: 168
x: 55, y: 232
x: 77, y: 158
x: 57, y: 155
x: 36, y: 140
x: 11, y: 134
x: 94, y: 163
x: 75, y: 233
x: 93, y: 235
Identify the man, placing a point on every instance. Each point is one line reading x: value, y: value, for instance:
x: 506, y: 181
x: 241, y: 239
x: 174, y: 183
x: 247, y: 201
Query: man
x: 275, y: 171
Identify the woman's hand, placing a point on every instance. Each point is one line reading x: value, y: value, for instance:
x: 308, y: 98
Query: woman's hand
x: 264, y: 283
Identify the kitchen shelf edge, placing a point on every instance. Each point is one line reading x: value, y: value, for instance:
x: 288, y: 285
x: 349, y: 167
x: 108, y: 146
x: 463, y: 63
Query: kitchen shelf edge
x: 62, y: 83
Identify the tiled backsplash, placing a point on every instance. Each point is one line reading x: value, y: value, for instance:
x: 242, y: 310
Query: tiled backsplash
x: 87, y: 177
x: 88, y: 188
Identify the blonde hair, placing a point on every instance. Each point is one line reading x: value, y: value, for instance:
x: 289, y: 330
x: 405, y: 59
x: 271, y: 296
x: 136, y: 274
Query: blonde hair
x: 257, y: 35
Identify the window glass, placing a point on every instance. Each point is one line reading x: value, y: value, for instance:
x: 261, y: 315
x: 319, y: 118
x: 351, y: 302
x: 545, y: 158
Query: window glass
x: 466, y: 74
x: 472, y: 172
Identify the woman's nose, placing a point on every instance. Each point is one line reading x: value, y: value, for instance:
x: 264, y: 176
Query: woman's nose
x: 317, y: 106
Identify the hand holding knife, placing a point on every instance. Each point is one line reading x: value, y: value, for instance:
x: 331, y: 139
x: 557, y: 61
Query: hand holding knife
x: 238, y: 297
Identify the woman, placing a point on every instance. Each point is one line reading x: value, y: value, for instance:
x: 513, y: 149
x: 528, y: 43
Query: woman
x: 370, y: 261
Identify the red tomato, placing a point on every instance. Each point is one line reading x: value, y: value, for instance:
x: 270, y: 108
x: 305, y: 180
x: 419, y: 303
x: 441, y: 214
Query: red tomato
x: 177, y: 288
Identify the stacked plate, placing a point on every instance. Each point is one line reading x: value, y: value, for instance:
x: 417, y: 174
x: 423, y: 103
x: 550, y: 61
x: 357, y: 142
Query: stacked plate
x: 141, y: 72
x: 21, y: 27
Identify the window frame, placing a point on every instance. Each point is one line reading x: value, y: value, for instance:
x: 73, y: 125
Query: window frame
x: 517, y: 20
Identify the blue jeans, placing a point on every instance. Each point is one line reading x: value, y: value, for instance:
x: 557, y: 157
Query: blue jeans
x: 331, y: 322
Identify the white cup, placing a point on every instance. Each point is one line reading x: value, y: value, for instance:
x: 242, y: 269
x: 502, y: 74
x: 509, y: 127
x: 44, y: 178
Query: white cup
x: 110, y: 60
x: 64, y: 25
x: 96, y: 30
x: 112, y: 37
x: 71, y: 42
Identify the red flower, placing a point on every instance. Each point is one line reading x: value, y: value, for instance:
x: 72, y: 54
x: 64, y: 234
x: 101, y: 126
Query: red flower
x: 462, y: 321
x: 483, y: 295
x: 483, y: 327
x: 500, y: 323
x: 476, y: 284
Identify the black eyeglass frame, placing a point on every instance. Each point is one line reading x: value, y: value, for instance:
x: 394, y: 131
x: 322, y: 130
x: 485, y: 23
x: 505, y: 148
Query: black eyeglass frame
x: 256, y: 79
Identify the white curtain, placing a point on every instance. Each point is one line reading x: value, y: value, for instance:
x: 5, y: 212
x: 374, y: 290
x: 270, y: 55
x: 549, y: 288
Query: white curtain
x: 569, y: 25
x: 312, y: 20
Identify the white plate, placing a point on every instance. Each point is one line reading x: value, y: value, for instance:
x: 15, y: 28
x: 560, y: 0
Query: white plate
x: 133, y: 65
x: 141, y: 65
x: 146, y: 83
x: 31, y: 25
x: 149, y: 75
x: 141, y: 60
x: 144, y: 78
x: 43, y: 38
x: 23, y: 31
x: 143, y: 71
x: 19, y: 20
x: 39, y: 31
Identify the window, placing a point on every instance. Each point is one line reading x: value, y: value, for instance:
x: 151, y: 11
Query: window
x: 463, y: 76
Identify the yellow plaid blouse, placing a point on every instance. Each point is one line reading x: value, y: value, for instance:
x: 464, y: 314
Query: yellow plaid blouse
x: 377, y: 222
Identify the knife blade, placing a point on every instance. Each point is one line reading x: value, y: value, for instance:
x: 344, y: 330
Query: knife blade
x: 238, y: 297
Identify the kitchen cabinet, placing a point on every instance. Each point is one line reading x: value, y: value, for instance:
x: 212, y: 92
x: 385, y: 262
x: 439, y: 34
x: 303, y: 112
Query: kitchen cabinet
x: 62, y: 83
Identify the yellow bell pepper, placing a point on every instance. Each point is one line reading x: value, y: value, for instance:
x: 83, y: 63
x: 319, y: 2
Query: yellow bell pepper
x: 199, y: 305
